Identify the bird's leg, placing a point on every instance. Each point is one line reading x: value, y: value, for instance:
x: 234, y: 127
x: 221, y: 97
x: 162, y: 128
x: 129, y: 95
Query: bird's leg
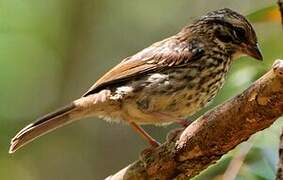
x: 184, y: 122
x: 166, y: 117
x: 152, y: 142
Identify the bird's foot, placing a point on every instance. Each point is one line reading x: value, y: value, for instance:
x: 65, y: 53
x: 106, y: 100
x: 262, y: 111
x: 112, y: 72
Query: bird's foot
x: 184, y: 122
x: 151, y: 141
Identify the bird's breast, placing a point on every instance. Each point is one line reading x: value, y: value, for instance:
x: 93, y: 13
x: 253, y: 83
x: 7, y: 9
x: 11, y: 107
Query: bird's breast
x: 179, y: 91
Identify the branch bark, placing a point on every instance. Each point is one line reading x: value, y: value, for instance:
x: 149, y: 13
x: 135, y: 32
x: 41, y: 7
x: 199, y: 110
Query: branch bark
x: 186, y: 153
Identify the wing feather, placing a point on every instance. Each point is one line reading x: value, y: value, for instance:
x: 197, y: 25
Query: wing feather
x: 164, y: 54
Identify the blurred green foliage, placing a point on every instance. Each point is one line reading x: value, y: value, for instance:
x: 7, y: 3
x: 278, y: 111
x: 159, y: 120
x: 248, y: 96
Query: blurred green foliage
x: 52, y: 51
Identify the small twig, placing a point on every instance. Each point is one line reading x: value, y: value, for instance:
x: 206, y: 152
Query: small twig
x: 236, y: 163
x: 280, y: 5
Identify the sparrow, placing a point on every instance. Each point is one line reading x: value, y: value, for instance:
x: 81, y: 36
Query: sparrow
x: 163, y: 83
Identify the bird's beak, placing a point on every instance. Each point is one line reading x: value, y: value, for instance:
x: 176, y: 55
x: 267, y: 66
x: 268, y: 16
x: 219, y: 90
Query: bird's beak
x: 252, y: 50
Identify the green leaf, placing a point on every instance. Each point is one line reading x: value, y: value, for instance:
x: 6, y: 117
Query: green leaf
x: 267, y: 14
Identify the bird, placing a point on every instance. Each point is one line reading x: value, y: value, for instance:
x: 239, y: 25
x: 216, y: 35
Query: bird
x: 164, y: 83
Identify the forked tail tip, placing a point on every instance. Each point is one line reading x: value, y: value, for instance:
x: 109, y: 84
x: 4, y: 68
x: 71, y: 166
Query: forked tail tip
x: 15, y: 141
x: 13, y: 146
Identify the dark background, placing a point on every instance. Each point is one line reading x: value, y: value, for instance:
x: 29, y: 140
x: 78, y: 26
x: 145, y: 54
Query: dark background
x: 52, y: 51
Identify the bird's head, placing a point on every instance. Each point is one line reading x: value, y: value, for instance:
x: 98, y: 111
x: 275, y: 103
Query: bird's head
x: 230, y: 30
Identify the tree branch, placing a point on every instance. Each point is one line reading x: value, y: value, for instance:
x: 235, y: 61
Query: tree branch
x: 186, y: 153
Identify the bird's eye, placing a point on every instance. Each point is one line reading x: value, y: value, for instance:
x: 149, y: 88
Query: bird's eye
x: 240, y: 33
x: 223, y: 36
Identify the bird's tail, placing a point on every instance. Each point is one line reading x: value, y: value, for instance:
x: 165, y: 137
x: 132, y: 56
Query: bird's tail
x: 92, y: 105
x: 44, y: 125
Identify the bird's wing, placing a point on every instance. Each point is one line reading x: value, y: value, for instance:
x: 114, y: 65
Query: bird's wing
x: 164, y: 54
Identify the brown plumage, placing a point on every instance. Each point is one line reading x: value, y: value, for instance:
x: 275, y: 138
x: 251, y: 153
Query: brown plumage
x: 166, y: 82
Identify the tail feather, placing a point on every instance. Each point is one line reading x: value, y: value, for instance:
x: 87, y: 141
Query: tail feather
x: 42, y: 126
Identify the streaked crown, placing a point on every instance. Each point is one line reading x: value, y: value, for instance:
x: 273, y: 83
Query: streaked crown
x: 230, y: 30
